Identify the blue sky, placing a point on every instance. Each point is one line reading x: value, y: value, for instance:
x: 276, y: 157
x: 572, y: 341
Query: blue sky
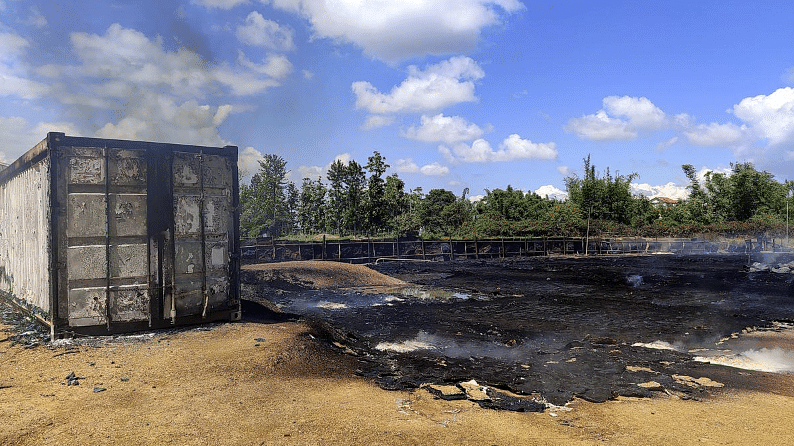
x: 455, y: 94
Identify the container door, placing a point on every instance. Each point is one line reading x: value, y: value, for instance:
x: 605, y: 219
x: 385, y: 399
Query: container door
x: 203, y: 223
x: 106, y: 243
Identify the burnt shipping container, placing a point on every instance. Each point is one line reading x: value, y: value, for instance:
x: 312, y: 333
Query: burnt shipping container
x: 103, y: 236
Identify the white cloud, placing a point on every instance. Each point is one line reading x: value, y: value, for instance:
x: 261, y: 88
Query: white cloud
x: 551, y: 192
x: 788, y: 76
x: 12, y: 46
x: 714, y: 134
x: 640, y: 112
x: 36, y: 19
x: 343, y: 157
x: 701, y: 174
x: 376, y: 121
x: 13, y: 73
x: 125, y: 60
x: 515, y: 148
x: 397, y: 30
x: 434, y: 170
x: 479, y: 151
x: 446, y: 83
x: 126, y: 85
x: 11, y: 85
x: 311, y: 172
x: 665, y: 144
x: 447, y: 129
x: 669, y: 190
x: 17, y: 135
x: 621, y: 118
x: 158, y: 118
x: 511, y: 149
x: 447, y: 154
x: 220, y: 4
x: 248, y: 162
x: 276, y: 66
x: 406, y: 166
x: 600, y: 127
x: 315, y: 172
x: 40, y: 130
x: 564, y: 170
x: 259, y: 31
x: 672, y: 190
x: 771, y: 116
x: 764, y: 135
x: 244, y: 83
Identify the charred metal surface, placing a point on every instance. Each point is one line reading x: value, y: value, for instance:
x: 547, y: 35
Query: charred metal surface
x: 121, y: 233
x: 203, y: 217
x: 24, y: 227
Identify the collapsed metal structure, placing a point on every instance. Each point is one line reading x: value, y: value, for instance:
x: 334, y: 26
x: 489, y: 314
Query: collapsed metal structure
x: 103, y: 236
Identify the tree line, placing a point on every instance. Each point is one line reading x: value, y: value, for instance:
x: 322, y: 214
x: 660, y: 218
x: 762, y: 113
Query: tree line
x: 359, y: 200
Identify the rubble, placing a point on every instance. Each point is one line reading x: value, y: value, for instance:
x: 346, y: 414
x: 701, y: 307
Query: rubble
x: 777, y: 268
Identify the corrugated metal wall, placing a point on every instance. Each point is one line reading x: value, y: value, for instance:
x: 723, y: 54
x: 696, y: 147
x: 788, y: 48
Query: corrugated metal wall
x: 25, y: 228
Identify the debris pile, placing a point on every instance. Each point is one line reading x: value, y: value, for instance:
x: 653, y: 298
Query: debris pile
x: 22, y: 329
x: 780, y: 268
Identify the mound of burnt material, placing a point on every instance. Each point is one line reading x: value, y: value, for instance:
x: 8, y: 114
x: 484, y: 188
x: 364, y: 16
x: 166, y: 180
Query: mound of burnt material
x: 554, y: 328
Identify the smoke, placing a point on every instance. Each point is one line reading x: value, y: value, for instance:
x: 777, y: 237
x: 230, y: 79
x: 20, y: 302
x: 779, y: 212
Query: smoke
x: 634, y: 280
x: 463, y: 349
x: 657, y: 345
x: 774, y: 360
x: 752, y: 349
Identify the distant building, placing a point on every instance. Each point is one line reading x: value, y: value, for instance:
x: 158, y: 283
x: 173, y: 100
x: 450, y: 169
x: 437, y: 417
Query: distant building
x: 664, y: 201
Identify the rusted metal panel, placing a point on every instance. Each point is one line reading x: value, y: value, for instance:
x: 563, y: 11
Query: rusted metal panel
x: 127, y: 234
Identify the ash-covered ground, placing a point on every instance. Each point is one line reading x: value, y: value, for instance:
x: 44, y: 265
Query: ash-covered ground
x: 554, y: 328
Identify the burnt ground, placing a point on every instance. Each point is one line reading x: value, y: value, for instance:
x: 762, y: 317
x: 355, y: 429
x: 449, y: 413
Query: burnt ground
x: 549, y: 327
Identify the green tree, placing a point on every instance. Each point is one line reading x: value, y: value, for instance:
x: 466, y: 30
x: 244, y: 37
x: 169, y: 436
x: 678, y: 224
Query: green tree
x: 602, y: 198
x: 355, y: 196
x: 336, y: 195
x: 312, y: 206
x: 565, y: 218
x: 346, y: 196
x: 292, y: 196
x: 376, y: 211
x: 755, y: 193
x: 513, y: 205
x: 396, y: 207
x: 263, y: 202
x: 436, y: 212
x: 506, y: 204
x: 743, y: 194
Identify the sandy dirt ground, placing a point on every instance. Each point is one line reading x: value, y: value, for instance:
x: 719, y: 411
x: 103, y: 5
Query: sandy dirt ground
x: 271, y: 382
